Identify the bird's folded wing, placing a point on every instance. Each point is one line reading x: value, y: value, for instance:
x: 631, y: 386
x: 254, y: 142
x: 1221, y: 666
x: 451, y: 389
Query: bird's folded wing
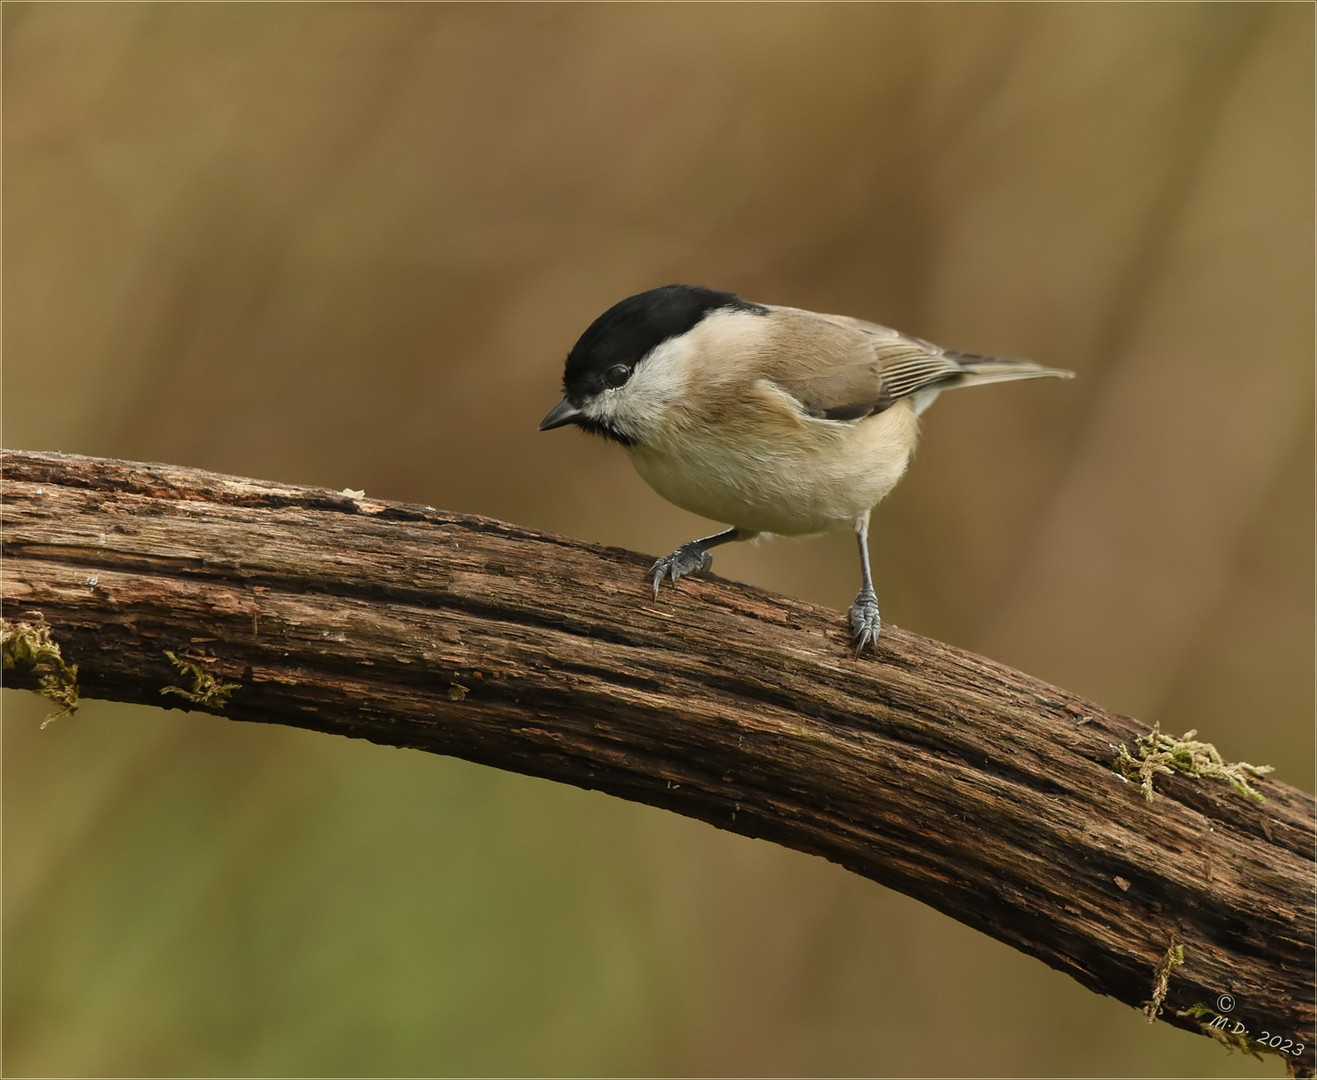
x: 879, y: 367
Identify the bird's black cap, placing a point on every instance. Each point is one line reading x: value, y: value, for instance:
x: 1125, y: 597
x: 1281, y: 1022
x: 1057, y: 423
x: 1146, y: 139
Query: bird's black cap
x: 630, y: 329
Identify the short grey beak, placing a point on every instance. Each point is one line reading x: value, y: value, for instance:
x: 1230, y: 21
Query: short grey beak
x: 562, y: 413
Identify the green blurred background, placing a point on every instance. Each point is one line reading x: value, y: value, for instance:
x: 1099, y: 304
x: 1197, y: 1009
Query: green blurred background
x: 351, y: 245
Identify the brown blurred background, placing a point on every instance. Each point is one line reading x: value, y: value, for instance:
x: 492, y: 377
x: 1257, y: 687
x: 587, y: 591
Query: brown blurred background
x: 351, y: 245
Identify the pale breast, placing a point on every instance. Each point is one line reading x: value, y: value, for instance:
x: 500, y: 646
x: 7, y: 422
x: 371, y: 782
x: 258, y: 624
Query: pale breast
x: 769, y: 468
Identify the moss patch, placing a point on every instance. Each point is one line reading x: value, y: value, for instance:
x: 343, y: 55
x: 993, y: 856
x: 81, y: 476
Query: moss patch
x: 29, y: 647
x: 1157, y: 753
x: 206, y: 691
x: 1224, y: 1033
x: 1161, y: 983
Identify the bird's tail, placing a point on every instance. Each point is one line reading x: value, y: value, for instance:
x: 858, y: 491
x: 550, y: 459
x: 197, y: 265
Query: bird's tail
x: 981, y: 370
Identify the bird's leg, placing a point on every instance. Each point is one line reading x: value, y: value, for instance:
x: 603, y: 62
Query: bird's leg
x: 693, y: 558
x: 865, y: 622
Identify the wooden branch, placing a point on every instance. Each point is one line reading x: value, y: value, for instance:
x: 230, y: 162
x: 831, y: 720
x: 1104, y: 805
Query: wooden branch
x: 976, y: 789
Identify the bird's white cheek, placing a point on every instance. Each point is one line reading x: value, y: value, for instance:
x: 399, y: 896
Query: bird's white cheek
x: 642, y: 407
x: 636, y: 418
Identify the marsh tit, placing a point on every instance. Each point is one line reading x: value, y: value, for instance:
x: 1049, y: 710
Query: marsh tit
x: 771, y: 419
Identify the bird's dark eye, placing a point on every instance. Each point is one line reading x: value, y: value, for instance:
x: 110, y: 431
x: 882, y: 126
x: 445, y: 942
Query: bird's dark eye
x: 616, y: 375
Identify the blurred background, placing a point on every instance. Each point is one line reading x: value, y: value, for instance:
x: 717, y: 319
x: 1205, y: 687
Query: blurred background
x: 350, y: 245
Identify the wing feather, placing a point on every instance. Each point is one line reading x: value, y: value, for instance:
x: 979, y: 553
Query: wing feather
x: 845, y: 369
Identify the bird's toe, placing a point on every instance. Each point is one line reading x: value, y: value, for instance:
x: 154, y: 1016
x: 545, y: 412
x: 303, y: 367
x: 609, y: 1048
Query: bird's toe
x: 865, y: 621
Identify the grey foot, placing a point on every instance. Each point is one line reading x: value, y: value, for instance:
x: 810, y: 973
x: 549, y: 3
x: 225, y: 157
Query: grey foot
x: 687, y: 559
x: 865, y: 621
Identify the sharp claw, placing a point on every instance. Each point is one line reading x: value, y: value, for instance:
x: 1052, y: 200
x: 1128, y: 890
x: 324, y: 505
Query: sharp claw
x: 657, y: 571
x: 689, y: 559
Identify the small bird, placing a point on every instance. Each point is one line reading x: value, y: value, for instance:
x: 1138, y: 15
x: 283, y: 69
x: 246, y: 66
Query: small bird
x: 771, y: 419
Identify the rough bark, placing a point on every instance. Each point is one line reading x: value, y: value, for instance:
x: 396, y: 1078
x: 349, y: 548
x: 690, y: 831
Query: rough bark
x: 977, y: 789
